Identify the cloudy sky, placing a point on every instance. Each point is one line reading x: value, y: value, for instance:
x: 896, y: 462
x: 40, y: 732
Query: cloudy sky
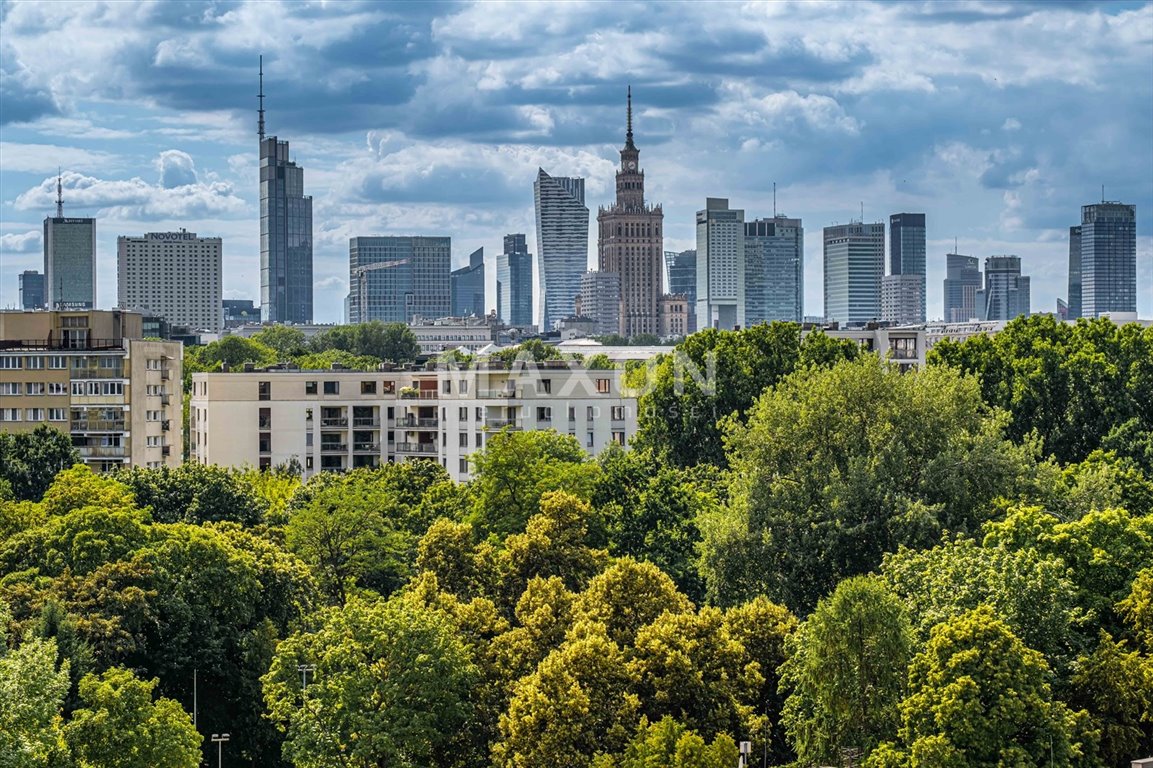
x: 996, y: 119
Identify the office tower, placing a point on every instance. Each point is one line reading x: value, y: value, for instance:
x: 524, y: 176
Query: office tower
x: 562, y: 244
x: 903, y: 291
x: 1006, y: 291
x: 1062, y: 310
x: 69, y: 259
x: 31, y: 289
x: 239, y: 312
x: 682, y: 274
x: 174, y: 274
x: 720, y: 265
x: 600, y: 301
x: 1075, y: 272
x: 393, y: 279
x: 285, y: 232
x: 514, y: 282
x: 467, y: 287
x: 774, y: 270
x: 962, y: 281
x: 854, y: 265
x: 630, y: 242
x: 1108, y: 258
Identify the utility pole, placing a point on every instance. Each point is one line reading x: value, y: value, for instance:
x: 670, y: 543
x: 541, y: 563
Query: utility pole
x: 219, y: 739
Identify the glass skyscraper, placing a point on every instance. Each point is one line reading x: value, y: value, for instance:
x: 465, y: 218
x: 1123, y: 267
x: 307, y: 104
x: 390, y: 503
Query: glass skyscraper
x: 1108, y: 258
x: 682, y: 269
x: 70, y: 262
x: 962, y: 281
x: 31, y: 289
x: 514, y: 282
x: 467, y: 287
x: 1006, y: 292
x: 854, y: 264
x: 1074, y: 306
x: 285, y: 237
x: 562, y: 244
x: 720, y: 265
x: 394, y: 278
x: 774, y: 270
x: 903, y: 291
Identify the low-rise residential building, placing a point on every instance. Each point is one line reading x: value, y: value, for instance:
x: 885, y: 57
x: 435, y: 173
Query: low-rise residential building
x: 335, y: 420
x: 91, y: 374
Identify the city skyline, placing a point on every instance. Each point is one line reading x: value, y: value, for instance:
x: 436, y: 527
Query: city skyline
x: 154, y: 123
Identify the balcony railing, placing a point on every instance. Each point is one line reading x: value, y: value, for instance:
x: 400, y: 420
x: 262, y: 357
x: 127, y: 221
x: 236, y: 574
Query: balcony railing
x: 502, y: 423
x: 334, y: 447
x: 71, y: 344
x: 366, y: 447
x: 414, y: 422
x: 334, y: 422
x: 365, y: 421
x: 102, y: 451
x: 424, y: 394
x: 96, y: 373
x: 489, y: 393
x: 165, y: 374
x: 97, y: 425
x: 416, y: 447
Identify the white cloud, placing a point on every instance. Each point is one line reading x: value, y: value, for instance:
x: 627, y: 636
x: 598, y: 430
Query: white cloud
x: 45, y: 158
x: 25, y: 242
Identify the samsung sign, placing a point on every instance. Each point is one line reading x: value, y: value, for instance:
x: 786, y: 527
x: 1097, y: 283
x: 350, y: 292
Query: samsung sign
x: 168, y: 237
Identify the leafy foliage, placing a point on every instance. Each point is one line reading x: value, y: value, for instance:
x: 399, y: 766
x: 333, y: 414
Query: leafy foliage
x: 30, y: 460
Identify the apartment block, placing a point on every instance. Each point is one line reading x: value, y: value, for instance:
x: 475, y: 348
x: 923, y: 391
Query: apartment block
x: 92, y: 375
x: 336, y: 420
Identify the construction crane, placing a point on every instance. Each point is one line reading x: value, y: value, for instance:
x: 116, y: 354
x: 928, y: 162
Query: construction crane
x: 360, y: 274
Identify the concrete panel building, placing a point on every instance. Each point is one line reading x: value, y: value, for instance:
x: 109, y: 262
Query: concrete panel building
x: 854, y: 264
x: 720, y: 265
x: 176, y: 275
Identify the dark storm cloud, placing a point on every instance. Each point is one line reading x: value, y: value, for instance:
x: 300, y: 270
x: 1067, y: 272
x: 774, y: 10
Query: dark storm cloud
x: 20, y: 100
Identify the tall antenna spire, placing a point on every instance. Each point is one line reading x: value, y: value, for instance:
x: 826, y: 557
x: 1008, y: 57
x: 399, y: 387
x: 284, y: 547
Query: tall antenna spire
x: 629, y: 129
x: 260, y: 96
x: 59, y: 195
x: 774, y: 199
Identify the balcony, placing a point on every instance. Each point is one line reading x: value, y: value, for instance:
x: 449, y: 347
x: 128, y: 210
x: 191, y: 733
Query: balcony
x: 334, y: 422
x: 334, y: 447
x: 96, y: 373
x: 166, y: 450
x: 62, y: 343
x: 423, y: 448
x: 491, y: 393
x: 366, y: 447
x: 412, y: 422
x: 166, y: 425
x: 165, y: 399
x: 97, y: 425
x: 370, y: 421
x: 165, y: 374
x: 423, y: 394
x: 102, y: 451
x: 492, y: 423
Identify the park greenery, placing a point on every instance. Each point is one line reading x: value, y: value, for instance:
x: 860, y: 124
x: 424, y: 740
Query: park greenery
x: 812, y: 551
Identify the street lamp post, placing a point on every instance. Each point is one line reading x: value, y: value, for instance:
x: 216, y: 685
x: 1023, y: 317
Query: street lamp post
x: 305, y: 670
x: 219, y: 739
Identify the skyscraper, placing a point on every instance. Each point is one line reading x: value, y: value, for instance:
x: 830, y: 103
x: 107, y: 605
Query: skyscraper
x: 285, y: 231
x: 175, y: 274
x: 1006, y: 292
x: 600, y: 301
x: 1108, y: 258
x: 1075, y: 272
x: 514, y: 282
x: 562, y: 244
x: 903, y: 290
x: 962, y: 281
x: 394, y: 278
x: 31, y: 289
x: 854, y: 265
x: 630, y: 242
x: 720, y: 265
x: 774, y: 270
x: 467, y: 287
x: 69, y: 259
x: 682, y: 271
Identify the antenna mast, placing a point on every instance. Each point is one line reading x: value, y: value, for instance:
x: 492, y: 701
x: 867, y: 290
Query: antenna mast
x: 59, y: 195
x: 774, y: 199
x: 260, y: 96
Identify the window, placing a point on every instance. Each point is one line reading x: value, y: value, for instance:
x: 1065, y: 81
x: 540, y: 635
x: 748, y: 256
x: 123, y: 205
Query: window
x: 591, y: 440
x: 446, y: 386
x: 265, y: 442
x: 544, y: 413
x: 34, y: 388
x: 307, y: 439
x: 57, y: 414
x: 308, y: 462
x: 479, y: 440
x: 11, y: 363
x: 619, y: 438
x: 590, y: 413
x: 34, y: 414
x: 464, y: 464
x: 57, y: 362
x: 264, y: 419
x: 463, y: 439
x: 310, y: 387
x: 9, y: 388
x: 464, y: 413
x: 332, y: 387
x: 264, y: 390
x: 618, y: 413
x: 480, y: 414
x: 464, y: 387
x: 388, y: 387
x: 111, y: 388
x: 546, y: 386
x: 368, y: 387
x: 57, y: 388
x: 603, y: 386
x: 572, y: 413
x: 78, y: 388
x: 10, y: 414
x: 35, y: 363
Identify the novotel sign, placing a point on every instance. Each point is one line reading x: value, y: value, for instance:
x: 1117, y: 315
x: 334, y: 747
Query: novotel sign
x: 171, y: 236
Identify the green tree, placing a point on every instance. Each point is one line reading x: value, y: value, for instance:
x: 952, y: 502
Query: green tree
x: 394, y: 342
x: 232, y: 351
x: 979, y: 697
x: 391, y: 685
x: 627, y: 596
x: 838, y: 466
x: 287, y: 342
x: 533, y: 349
x: 516, y: 469
x: 120, y: 726
x: 30, y: 460
x: 846, y: 672
x: 1115, y: 685
x: 670, y: 744
x: 32, y: 690
x: 194, y: 493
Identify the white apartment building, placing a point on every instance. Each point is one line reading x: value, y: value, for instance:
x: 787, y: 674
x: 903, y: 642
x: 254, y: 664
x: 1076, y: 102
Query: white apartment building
x: 174, y: 274
x: 92, y: 376
x: 335, y: 420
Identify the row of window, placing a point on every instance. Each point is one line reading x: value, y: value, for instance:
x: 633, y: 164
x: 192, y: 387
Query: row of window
x: 33, y: 414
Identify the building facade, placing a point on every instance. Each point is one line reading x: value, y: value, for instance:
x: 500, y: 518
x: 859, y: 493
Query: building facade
x: 92, y: 375
x: 514, y: 282
x: 338, y: 420
x: 285, y: 236
x: 238, y: 312
x: 854, y: 264
x: 70, y: 262
x: 962, y: 281
x: 31, y: 289
x: 393, y: 279
x: 682, y: 274
x: 674, y: 316
x: 1006, y: 292
x: 1108, y: 259
x: 906, y: 260
x: 630, y: 242
x: 562, y: 245
x: 1074, y: 302
x: 600, y: 301
x: 466, y: 286
x: 174, y: 274
x: 720, y: 265
x: 774, y: 270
